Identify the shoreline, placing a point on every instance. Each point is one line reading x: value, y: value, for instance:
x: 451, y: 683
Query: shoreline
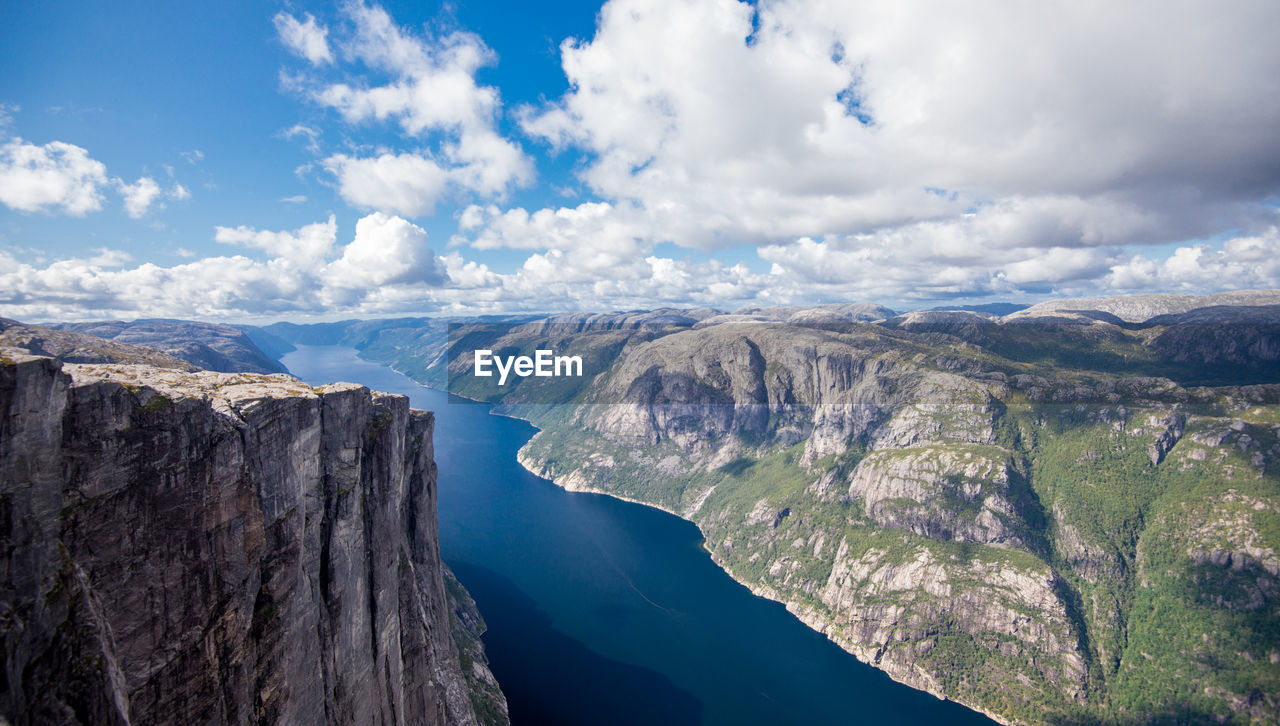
x: 807, y: 616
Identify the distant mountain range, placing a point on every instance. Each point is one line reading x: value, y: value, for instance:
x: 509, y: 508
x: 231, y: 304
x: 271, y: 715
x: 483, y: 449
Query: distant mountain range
x: 212, y: 347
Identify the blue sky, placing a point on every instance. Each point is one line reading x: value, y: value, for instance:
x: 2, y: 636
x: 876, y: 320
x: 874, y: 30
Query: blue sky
x: 251, y: 161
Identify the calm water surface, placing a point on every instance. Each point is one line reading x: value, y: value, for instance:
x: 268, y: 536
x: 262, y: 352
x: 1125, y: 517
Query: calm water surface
x: 605, y: 612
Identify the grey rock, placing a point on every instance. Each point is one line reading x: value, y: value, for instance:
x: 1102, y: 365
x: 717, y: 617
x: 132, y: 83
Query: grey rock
x: 81, y: 348
x: 1140, y: 308
x: 207, y: 345
x: 219, y: 549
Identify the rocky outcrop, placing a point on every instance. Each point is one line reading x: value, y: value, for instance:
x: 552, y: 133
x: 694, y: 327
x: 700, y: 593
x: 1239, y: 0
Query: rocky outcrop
x: 943, y: 492
x: 82, y: 348
x: 213, y: 548
x: 207, y: 345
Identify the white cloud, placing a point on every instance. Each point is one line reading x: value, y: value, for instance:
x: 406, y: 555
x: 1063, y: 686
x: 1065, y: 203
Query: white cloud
x: 433, y: 96
x: 56, y: 175
x: 875, y: 150
x: 597, y: 225
x: 139, y: 195
x: 311, y: 135
x: 386, y: 251
x: 308, y: 39
x: 308, y: 246
x: 406, y: 184
x: 295, y: 199
x: 7, y: 110
x: 386, y: 266
x: 899, y: 151
x: 1242, y: 262
x: 1069, y: 124
x: 63, y: 177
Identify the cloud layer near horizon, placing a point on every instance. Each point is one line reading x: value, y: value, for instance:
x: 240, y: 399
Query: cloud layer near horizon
x: 891, y: 151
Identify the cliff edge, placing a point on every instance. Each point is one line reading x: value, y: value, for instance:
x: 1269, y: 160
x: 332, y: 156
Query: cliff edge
x: 199, y: 547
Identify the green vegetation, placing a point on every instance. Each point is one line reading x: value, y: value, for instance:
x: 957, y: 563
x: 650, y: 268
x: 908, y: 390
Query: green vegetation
x: 1130, y: 574
x: 157, y: 402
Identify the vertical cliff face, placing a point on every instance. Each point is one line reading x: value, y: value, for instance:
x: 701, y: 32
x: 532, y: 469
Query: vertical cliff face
x: 211, y: 548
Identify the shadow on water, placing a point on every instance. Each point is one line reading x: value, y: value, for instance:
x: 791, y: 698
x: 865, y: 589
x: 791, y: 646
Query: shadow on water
x: 519, y: 638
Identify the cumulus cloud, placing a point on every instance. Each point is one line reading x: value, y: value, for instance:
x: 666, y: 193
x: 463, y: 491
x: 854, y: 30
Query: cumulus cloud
x: 827, y: 117
x: 306, y: 38
x: 928, y: 260
x: 139, y: 195
x: 307, y: 246
x: 895, y: 151
x: 900, y: 151
x: 966, y: 148
x: 388, y: 265
x: 432, y: 96
x: 1242, y: 262
x: 63, y: 177
x: 386, y: 251
x: 55, y: 176
x: 597, y: 225
x: 406, y: 184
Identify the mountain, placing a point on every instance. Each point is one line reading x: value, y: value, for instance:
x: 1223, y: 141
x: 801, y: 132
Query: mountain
x: 1139, y: 308
x: 82, y: 348
x: 214, y: 548
x: 1067, y: 517
x: 800, y: 314
x: 997, y: 308
x: 207, y: 345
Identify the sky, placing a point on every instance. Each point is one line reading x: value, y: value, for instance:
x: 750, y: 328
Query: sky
x: 254, y: 161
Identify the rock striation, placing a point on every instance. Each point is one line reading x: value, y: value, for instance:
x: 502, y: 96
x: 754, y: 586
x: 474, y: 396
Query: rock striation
x: 200, y: 547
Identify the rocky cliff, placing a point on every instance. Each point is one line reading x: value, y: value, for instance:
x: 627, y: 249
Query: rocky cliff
x: 72, y: 347
x: 198, y: 547
x: 1018, y: 514
x: 207, y: 345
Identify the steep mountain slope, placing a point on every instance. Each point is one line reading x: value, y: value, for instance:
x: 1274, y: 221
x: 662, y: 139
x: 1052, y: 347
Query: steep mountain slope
x: 215, y: 548
x: 1030, y: 515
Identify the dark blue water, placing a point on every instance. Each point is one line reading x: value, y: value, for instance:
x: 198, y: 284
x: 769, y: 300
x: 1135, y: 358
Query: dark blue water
x: 605, y: 612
